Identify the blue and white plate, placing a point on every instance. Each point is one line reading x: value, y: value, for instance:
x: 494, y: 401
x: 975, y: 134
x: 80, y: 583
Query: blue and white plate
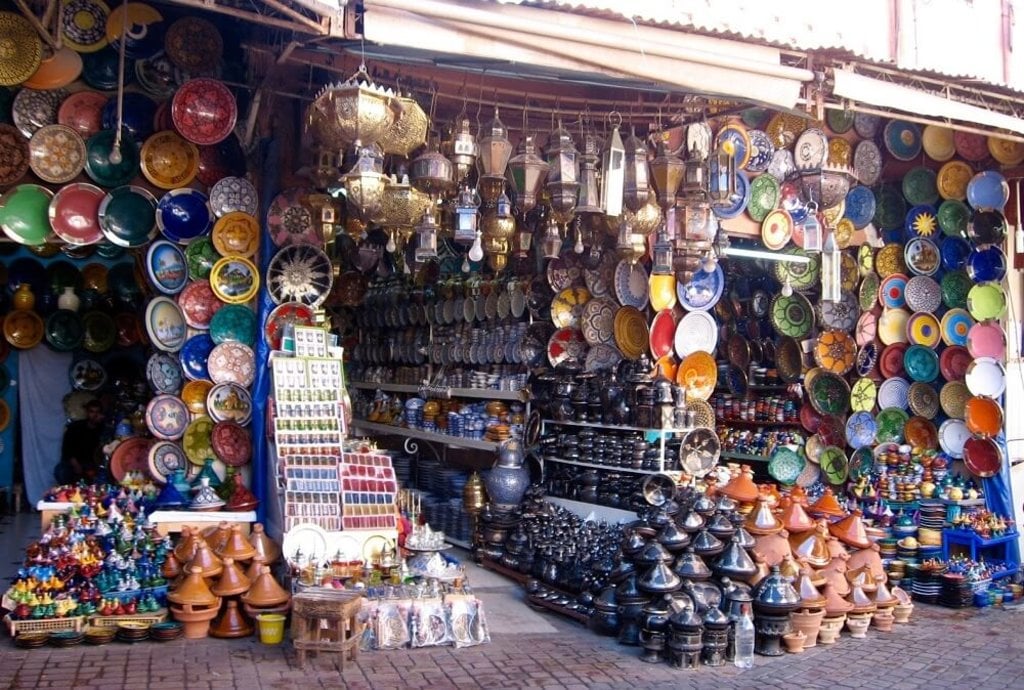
x: 194, y: 356
x: 988, y: 190
x: 632, y: 287
x: 703, y: 291
x: 737, y: 204
x: 861, y: 428
x: 860, y: 206
x: 166, y: 267
x: 761, y: 151
x: 164, y: 373
x: 903, y: 139
x: 987, y: 263
x: 894, y: 392
x: 184, y: 214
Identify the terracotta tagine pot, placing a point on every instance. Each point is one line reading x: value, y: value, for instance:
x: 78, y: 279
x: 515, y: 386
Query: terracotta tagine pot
x: 870, y: 559
x: 742, y: 488
x: 789, y: 568
x: 812, y: 546
x: 794, y: 518
x: 831, y: 627
x: 762, y: 569
x: 253, y: 612
x: 835, y: 574
x: 862, y: 574
x: 187, y: 545
x: 237, y: 546
x: 809, y: 623
x: 207, y: 561
x: 194, y: 605
x: 231, y: 623
x: 862, y: 603
x: 883, y: 620
x: 901, y: 613
x: 171, y: 567
x: 265, y: 591
x: 241, y: 499
x: 827, y: 505
x: 850, y: 531
x: 264, y: 545
x: 837, y: 550
x: 255, y: 567
x: 835, y: 605
x: 858, y: 624
x: 794, y: 641
x: 232, y: 580
x: 774, y: 547
x: 762, y: 520
x: 217, y: 536
x: 193, y: 590
x: 810, y: 597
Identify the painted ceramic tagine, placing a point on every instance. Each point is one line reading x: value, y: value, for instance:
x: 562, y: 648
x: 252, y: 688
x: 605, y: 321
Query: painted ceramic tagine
x: 193, y: 604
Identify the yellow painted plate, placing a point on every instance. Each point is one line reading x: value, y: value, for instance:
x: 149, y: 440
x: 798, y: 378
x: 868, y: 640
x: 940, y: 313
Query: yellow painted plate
x: 662, y: 291
x: 234, y: 279
x: 1006, y: 152
x: 937, y: 142
x: 168, y: 160
x: 631, y: 334
x: 23, y: 328
x: 236, y: 234
x: 22, y: 52
x: 196, y: 441
x: 698, y: 374
x: 953, y: 179
x: 194, y: 395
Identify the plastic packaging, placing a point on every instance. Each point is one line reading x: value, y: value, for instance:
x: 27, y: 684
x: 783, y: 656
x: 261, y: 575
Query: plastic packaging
x: 744, y: 639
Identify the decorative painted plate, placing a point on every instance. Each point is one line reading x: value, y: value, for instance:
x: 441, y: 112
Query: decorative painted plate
x: 986, y: 376
x: 199, y: 303
x: 866, y: 330
x: 598, y: 321
x: 99, y: 166
x: 87, y: 375
x: 24, y: 49
x: 867, y: 163
x: 923, y: 400
x: 841, y: 315
x: 100, y: 331
x: 737, y: 203
x: 166, y: 267
x: 840, y: 152
x: 169, y: 161
x: 953, y: 362
x: 599, y: 280
x: 890, y: 207
x: 953, y: 435
x: 201, y: 255
x: 921, y: 363
x: 663, y: 329
x: 983, y: 416
x: 166, y: 417
x: 232, y: 443
x: 33, y: 109
x: 793, y: 315
x: 14, y: 155
x: 165, y: 458
x: 986, y: 263
x: 165, y: 324
x: 892, y: 291
x: 734, y: 139
x: 697, y: 332
x: 788, y: 359
x: 894, y: 392
x: 937, y: 142
x: 835, y: 351
x: 631, y: 333
x: 163, y: 373
x: 602, y: 357
x: 204, y: 111
x: 829, y: 393
x: 892, y: 326
x: 890, y: 361
x: 56, y: 154
x: 229, y: 402
x: 987, y: 339
x: 563, y: 272
x: 920, y: 186
x: 988, y: 191
x: 82, y: 112
x: 834, y: 464
x: 891, y: 422
x: 781, y: 165
x: 776, y: 229
x: 233, y: 323
x: 953, y: 397
x: 922, y: 293
x: 922, y: 256
x: 921, y: 433
x: 194, y: 45
x: 567, y: 346
x: 567, y: 307
x: 860, y: 206
x: 131, y: 455
x: 811, y: 149
x: 232, y: 362
x: 922, y: 221
x: 761, y: 151
x: 126, y: 216
x: 860, y: 430
x: 24, y: 214
x: 194, y: 355
x: 986, y: 301
x: 236, y: 234
x: 234, y: 280
x: 867, y: 293
x: 194, y: 394
x: 924, y: 329
x: 955, y: 285
x: 285, y: 316
x: 953, y: 179
x: 301, y: 273
x: 632, y: 285
x: 698, y: 374
x: 786, y: 465
x: 196, y: 441
x: 290, y: 221
x: 902, y: 139
x: 703, y: 291
x: 234, y: 194
x: 184, y: 214
x: 764, y: 197
x: 802, y: 276
x: 1006, y: 152
x: 862, y: 395
x: 74, y: 213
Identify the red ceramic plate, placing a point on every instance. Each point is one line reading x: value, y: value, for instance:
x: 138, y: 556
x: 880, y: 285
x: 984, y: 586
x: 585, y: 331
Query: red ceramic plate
x: 984, y: 416
x: 832, y: 430
x: 199, y: 303
x: 663, y: 332
x: 204, y: 111
x: 983, y: 457
x: 231, y: 443
x: 953, y: 362
x: 921, y: 433
x: 131, y: 455
x: 82, y: 111
x: 74, y: 213
x: 810, y: 418
x: 890, y: 363
x: 283, y: 315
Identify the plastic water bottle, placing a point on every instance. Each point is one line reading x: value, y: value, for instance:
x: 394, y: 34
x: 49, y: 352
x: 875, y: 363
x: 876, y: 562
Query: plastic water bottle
x: 744, y: 639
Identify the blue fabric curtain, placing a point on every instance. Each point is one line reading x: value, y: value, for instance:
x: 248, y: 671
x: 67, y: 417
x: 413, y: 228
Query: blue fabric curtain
x: 42, y: 384
x: 999, y: 497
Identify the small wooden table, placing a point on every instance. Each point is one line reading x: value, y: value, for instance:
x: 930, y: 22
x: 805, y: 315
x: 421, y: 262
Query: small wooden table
x: 326, y: 622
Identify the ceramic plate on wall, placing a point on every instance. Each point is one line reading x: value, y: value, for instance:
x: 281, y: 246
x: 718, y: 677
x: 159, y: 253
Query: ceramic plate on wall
x: 234, y: 280
x: 166, y: 267
x: 166, y: 417
x: 165, y: 324
x: 229, y: 402
x: 232, y: 363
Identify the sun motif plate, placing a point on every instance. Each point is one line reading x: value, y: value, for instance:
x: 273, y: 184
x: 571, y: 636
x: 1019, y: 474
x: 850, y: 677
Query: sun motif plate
x: 290, y: 221
x: 631, y: 285
x: 835, y: 351
x: 56, y: 154
x: 301, y: 273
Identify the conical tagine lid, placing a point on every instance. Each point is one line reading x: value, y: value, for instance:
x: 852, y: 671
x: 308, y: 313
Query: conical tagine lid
x: 742, y: 487
x: 205, y: 560
x: 794, y: 518
x: 812, y: 547
x: 236, y: 546
x: 827, y: 505
x: 265, y: 591
x: 850, y: 531
x: 232, y: 581
x: 217, y: 537
x: 835, y: 605
x: 193, y: 591
x: 762, y: 520
x: 186, y: 547
x: 264, y: 545
x: 231, y: 623
x: 810, y: 597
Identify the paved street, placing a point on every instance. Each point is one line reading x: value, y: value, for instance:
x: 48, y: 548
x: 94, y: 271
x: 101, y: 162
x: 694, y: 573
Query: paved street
x: 941, y: 648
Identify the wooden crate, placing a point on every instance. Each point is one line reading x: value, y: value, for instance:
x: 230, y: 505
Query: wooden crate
x: 34, y: 625
x: 158, y: 616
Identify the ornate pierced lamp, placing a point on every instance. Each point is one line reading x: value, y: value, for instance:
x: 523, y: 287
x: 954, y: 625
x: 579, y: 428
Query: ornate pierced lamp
x: 589, y: 198
x: 526, y: 173
x: 563, y: 181
x: 408, y: 130
x: 637, y: 185
x: 364, y: 183
x: 402, y: 206
x: 666, y: 174
x: 431, y: 172
x: 464, y: 150
x: 494, y: 151
x: 354, y: 112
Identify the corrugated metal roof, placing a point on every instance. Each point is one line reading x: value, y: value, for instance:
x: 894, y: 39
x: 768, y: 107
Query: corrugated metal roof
x: 961, y: 39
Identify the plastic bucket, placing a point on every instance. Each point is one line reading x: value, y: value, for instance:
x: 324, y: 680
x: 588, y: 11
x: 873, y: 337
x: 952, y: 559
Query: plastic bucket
x: 271, y: 627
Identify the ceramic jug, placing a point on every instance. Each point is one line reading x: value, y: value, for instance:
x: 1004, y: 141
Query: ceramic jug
x: 508, y: 480
x: 68, y: 299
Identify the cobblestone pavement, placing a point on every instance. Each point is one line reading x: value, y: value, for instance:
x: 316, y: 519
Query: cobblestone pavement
x: 940, y: 648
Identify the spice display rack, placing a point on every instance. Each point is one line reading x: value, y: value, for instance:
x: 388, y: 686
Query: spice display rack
x: 974, y: 543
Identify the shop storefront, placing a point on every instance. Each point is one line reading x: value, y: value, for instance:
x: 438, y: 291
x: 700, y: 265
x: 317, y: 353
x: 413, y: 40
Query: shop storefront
x: 726, y: 330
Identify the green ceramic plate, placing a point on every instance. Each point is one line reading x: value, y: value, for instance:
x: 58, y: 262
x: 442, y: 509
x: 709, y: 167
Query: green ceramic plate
x: 64, y: 330
x: 802, y: 276
x: 890, y: 207
x: 24, y: 214
x: 834, y: 464
x: 764, y: 197
x: 128, y: 216
x: 954, y: 216
x: 792, y: 315
x: 829, y: 393
x: 99, y: 166
x: 921, y: 363
x: 201, y: 255
x: 868, y: 291
x: 861, y: 463
x: 786, y: 465
x: 986, y: 301
x: 839, y: 121
x: 100, y: 331
x: 891, y: 421
x: 955, y: 285
x: 919, y: 186
x: 233, y: 322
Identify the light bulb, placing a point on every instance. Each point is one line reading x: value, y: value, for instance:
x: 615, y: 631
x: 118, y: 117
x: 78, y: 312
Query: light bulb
x: 465, y: 264
x: 391, y: 246
x: 578, y: 246
x: 476, y: 252
x: 1018, y: 239
x: 115, y: 156
x: 787, y: 289
x: 710, y: 263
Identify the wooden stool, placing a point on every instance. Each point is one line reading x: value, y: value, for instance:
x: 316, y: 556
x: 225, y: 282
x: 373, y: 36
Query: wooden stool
x: 326, y: 622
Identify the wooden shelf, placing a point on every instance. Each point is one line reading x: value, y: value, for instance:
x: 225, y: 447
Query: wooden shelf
x: 606, y: 513
x: 386, y: 387
x: 481, y: 393
x: 610, y: 468
x: 618, y: 427
x: 733, y: 455
x: 749, y: 423
x: 420, y: 435
x: 458, y: 542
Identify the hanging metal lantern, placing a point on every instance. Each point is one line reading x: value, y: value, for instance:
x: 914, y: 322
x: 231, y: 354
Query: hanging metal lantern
x: 495, y: 149
x: 431, y: 172
x: 427, y: 229
x: 629, y: 246
x: 364, y: 183
x: 324, y: 171
x: 589, y: 198
x: 526, y: 173
x: 662, y: 251
x: 401, y: 207
x: 722, y: 187
x: 356, y: 111
x: 464, y: 150
x: 551, y: 244
x: 408, y: 130
x: 666, y: 174
x: 563, y: 183
x: 636, y: 183
x: 613, y: 175
x: 467, y: 215
x: 831, y: 270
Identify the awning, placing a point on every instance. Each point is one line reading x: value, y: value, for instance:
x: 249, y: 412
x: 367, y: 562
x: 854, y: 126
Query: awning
x: 619, y: 49
x: 884, y: 94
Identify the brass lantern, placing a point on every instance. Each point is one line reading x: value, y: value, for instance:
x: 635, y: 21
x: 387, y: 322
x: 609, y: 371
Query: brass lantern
x: 637, y: 186
x: 356, y: 111
x: 427, y: 229
x: 402, y: 207
x: 364, y: 183
x: 589, y: 200
x: 324, y: 171
x: 500, y: 224
x: 551, y: 243
x: 666, y: 174
x: 494, y: 149
x: 464, y: 150
x: 408, y: 131
x: 563, y: 183
x: 431, y: 172
x: 526, y: 173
